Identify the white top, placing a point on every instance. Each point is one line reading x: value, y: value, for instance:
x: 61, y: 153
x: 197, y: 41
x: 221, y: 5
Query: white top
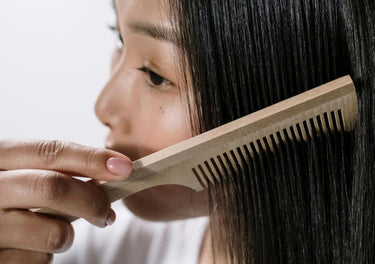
x: 132, y: 240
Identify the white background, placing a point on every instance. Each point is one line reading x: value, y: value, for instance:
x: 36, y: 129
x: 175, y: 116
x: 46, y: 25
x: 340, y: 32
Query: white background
x: 54, y: 60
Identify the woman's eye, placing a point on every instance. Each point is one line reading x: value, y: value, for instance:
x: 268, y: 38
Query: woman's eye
x: 120, y: 40
x: 154, y: 79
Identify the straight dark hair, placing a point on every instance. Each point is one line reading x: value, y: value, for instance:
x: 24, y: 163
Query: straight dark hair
x: 306, y: 202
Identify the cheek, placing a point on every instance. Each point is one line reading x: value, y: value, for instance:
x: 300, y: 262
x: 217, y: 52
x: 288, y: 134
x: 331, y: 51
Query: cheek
x: 167, y: 125
x: 175, y: 121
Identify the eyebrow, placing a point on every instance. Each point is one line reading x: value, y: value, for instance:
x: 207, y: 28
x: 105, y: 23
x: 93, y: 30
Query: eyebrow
x: 154, y: 31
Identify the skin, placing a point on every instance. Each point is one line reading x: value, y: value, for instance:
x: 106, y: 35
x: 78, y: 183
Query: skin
x: 36, y: 174
x: 142, y: 118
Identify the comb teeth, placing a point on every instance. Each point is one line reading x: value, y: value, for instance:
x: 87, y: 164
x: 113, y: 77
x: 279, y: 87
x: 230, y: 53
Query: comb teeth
x: 215, y: 168
x: 206, y: 159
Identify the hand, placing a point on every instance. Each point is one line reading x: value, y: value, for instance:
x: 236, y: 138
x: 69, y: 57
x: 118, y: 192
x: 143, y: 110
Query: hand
x: 38, y: 174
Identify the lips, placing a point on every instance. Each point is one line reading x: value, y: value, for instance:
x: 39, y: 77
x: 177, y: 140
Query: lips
x: 109, y: 142
x: 130, y: 149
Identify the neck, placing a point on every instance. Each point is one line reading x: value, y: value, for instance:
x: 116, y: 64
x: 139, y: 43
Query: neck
x: 207, y: 251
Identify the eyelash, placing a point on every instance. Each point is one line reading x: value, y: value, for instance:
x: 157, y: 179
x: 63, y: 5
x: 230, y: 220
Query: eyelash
x: 120, y: 40
x: 154, y: 79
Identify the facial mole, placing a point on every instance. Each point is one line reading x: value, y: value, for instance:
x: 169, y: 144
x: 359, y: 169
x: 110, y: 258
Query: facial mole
x: 127, y: 128
x: 162, y: 110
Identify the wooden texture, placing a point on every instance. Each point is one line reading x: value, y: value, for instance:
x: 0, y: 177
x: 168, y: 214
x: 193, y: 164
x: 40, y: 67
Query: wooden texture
x: 197, y: 162
x: 201, y: 160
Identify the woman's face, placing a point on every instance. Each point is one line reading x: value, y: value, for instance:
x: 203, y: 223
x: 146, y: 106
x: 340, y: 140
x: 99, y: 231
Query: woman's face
x: 144, y: 106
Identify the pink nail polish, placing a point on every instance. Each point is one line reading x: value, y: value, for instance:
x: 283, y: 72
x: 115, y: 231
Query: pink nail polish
x: 119, y: 167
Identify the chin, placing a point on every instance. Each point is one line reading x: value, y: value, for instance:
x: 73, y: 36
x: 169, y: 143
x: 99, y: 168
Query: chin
x: 168, y: 203
x: 164, y: 202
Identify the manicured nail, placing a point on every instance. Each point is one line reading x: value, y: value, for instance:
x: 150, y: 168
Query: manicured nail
x: 119, y: 167
x: 110, y: 218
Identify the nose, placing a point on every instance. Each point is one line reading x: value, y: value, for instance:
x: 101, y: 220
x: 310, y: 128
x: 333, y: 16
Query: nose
x: 112, y: 105
x: 103, y: 107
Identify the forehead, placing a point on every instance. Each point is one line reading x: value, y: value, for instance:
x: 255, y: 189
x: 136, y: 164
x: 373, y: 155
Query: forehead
x: 150, y: 11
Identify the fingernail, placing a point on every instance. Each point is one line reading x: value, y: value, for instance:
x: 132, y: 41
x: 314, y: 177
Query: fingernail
x: 110, y: 218
x: 119, y: 167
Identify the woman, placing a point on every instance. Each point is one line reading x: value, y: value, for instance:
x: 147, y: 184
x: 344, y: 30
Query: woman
x: 186, y: 67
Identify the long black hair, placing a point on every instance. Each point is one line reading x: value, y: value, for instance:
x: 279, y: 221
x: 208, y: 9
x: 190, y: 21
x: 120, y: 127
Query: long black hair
x: 306, y: 202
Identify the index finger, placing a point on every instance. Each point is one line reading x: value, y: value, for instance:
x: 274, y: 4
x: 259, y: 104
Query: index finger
x: 69, y: 158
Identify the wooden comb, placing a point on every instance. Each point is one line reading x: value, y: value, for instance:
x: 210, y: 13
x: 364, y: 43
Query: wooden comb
x: 198, y: 160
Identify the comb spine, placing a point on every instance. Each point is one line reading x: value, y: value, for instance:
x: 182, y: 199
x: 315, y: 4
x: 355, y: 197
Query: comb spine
x: 250, y: 130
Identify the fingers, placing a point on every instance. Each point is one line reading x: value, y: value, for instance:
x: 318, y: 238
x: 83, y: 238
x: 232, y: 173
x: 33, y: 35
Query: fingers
x: 48, y: 189
x: 19, y: 256
x: 36, y: 174
x: 72, y: 159
x: 29, y: 231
